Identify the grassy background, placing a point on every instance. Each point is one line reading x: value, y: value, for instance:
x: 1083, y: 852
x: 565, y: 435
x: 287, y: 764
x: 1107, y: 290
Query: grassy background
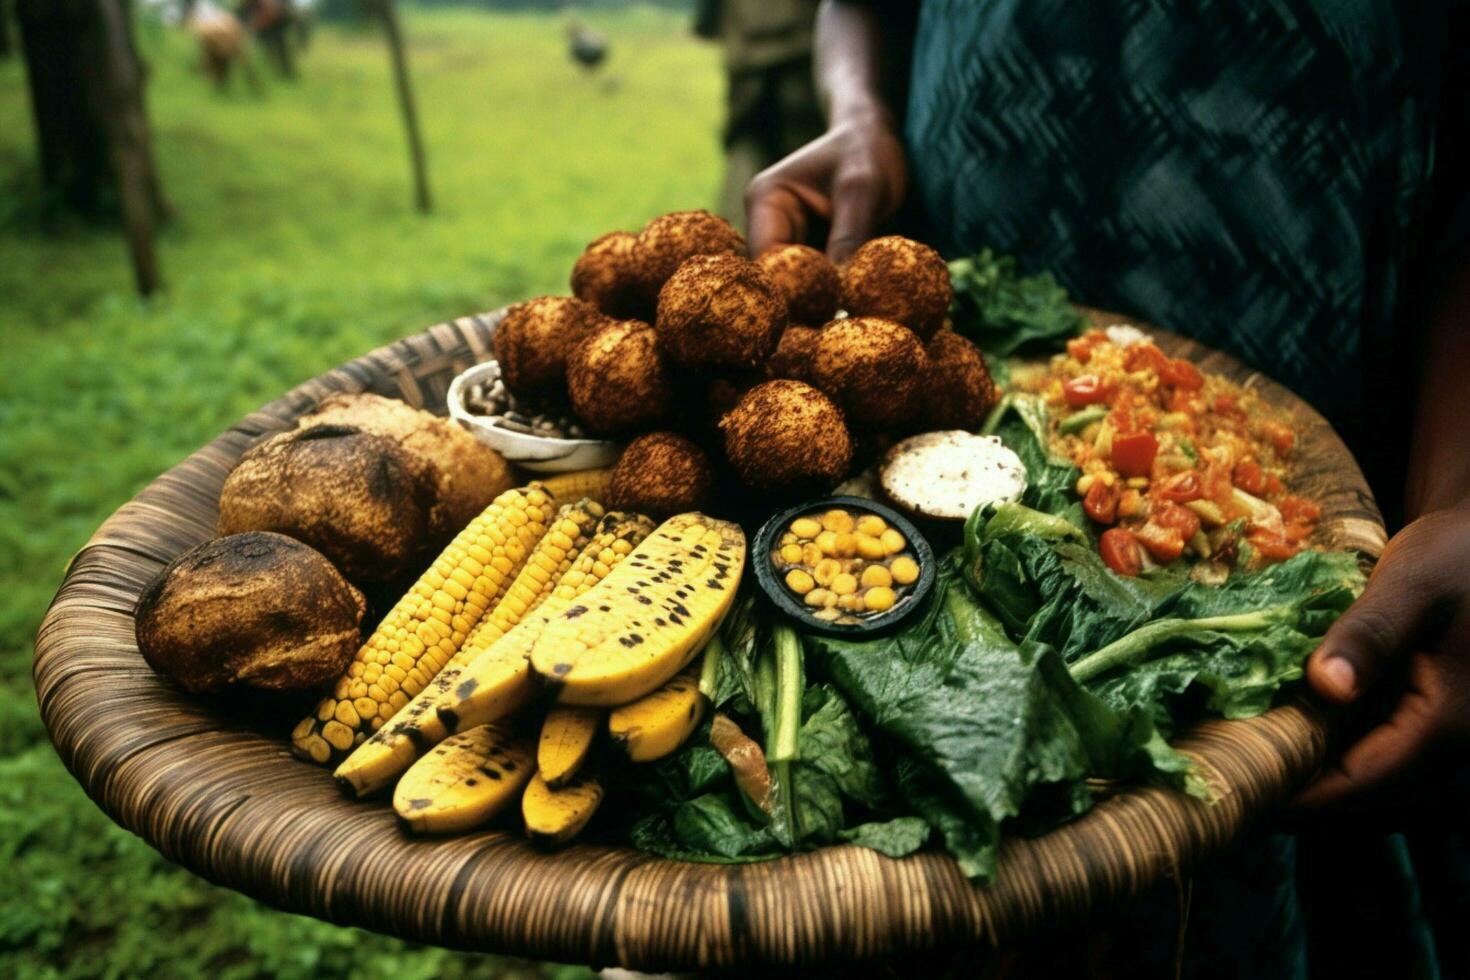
x: 294, y: 248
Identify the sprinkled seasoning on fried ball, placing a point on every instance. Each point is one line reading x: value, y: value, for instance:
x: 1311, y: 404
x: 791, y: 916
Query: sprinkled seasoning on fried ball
x: 661, y: 474
x: 958, y: 391
x: 787, y: 436
x: 719, y: 312
x: 807, y: 279
x: 617, y: 380
x: 873, y: 368
x: 606, y: 275
x: 667, y: 241
x: 898, y: 279
x: 534, y: 339
x: 793, y: 357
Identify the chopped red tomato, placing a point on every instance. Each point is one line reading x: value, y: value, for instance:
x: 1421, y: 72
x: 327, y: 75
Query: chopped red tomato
x: 1280, y: 437
x: 1248, y: 476
x: 1229, y: 406
x: 1101, y: 502
x: 1180, y: 373
x: 1270, y: 545
x: 1298, y: 510
x: 1176, y: 518
x: 1080, y: 348
x: 1133, y: 453
x: 1273, y: 484
x: 1165, y: 544
x: 1182, y: 400
x: 1085, y: 389
x: 1145, y: 357
x: 1119, y: 550
x: 1180, y: 488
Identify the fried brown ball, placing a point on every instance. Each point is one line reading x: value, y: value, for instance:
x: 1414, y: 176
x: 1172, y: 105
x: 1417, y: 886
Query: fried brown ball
x: 606, y: 275
x: 617, y: 379
x: 787, y: 436
x: 807, y: 279
x: 719, y: 312
x: 667, y: 241
x: 898, y: 279
x: 533, y: 341
x: 873, y: 368
x: 661, y: 474
x: 958, y: 391
x: 793, y: 357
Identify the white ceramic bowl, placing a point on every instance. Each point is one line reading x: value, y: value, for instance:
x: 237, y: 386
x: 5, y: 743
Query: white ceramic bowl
x: 535, y: 453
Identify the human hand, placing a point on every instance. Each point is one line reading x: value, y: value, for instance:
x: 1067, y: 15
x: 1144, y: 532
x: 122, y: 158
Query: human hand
x: 1410, y: 628
x: 854, y: 177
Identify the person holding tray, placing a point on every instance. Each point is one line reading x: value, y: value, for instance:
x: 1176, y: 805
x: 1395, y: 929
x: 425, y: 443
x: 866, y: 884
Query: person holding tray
x: 1287, y: 182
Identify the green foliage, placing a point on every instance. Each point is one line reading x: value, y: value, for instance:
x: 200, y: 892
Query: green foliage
x: 1005, y: 312
x: 294, y: 248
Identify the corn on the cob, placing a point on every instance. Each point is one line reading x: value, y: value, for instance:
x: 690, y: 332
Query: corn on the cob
x: 581, y: 483
x: 567, y: 735
x: 555, y: 816
x: 642, y: 624
x: 553, y: 555
x: 658, y: 723
x: 427, y: 626
x: 465, y: 781
x: 500, y: 680
x: 418, y: 726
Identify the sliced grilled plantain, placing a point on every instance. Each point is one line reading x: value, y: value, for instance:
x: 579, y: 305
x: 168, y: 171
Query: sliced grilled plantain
x: 642, y: 624
x: 555, y: 816
x: 465, y: 780
x: 658, y: 723
x: 567, y: 735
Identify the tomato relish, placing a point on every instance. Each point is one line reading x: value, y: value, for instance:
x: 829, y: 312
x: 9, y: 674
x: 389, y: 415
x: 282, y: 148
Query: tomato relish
x: 1174, y: 462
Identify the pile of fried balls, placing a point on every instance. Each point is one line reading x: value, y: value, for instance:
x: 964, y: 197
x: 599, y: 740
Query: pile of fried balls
x: 788, y: 367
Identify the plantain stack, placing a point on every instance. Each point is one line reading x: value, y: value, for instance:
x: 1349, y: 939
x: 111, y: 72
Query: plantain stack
x: 427, y: 626
x: 495, y: 687
x: 606, y: 620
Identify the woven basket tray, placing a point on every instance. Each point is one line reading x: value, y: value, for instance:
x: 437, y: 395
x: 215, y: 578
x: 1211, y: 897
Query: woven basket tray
x: 230, y: 803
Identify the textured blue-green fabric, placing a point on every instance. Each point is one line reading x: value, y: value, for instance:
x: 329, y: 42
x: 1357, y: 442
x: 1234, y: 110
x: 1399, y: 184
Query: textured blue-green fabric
x: 1251, y: 173
x: 1267, y: 177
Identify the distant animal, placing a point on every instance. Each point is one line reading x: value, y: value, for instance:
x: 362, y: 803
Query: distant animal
x: 588, y: 48
x: 221, y: 40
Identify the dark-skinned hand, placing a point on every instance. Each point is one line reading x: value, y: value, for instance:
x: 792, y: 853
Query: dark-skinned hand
x: 1411, y: 630
x: 853, y: 177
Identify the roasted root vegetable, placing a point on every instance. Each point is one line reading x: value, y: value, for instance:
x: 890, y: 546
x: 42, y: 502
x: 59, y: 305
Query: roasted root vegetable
x: 658, y: 723
x: 427, y: 626
x: 465, y: 781
x: 555, y: 816
x: 567, y: 736
x: 643, y: 623
x: 493, y: 685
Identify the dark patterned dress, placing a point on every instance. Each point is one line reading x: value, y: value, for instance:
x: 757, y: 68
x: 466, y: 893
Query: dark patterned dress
x: 1279, y: 180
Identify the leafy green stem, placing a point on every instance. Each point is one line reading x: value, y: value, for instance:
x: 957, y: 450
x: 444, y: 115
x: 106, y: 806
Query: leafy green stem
x: 1133, y: 648
x: 781, y: 741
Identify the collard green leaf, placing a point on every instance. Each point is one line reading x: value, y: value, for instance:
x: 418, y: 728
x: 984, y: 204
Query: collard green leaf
x: 1005, y: 312
x: 894, y: 838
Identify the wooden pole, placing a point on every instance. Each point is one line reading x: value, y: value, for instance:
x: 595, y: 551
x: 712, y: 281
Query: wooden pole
x: 389, y: 13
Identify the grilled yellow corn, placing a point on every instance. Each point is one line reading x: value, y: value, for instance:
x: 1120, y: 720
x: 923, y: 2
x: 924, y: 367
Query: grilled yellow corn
x: 427, y: 626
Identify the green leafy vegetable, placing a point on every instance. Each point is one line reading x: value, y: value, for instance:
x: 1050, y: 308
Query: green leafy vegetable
x: 1021, y: 423
x: 1004, y: 312
x: 895, y: 838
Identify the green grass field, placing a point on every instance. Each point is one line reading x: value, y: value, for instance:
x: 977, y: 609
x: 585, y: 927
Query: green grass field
x: 294, y: 248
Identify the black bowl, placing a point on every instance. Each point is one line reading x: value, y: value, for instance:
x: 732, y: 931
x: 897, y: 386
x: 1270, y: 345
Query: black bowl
x: 775, y: 589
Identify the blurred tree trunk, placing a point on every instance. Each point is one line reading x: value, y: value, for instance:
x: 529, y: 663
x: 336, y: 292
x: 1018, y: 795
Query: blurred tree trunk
x: 389, y: 14
x: 92, y: 135
x: 6, y: 45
